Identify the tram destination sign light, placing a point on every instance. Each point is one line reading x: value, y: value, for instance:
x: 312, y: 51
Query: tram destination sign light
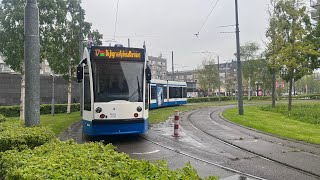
x: 117, y: 53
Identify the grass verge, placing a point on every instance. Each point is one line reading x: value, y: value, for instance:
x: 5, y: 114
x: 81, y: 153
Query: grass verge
x: 58, y: 122
x: 275, y: 123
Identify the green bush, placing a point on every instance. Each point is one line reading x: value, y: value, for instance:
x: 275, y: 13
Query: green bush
x: 68, y: 160
x: 258, y: 97
x: 13, y: 135
x: 2, y: 118
x: 14, y: 111
x: 209, y: 99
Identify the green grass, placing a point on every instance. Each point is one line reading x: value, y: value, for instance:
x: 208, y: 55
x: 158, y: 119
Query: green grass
x: 308, y: 113
x: 58, y: 122
x: 276, y: 123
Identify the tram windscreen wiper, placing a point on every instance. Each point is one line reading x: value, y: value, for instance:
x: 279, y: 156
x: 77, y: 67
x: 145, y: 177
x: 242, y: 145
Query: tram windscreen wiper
x: 136, y: 91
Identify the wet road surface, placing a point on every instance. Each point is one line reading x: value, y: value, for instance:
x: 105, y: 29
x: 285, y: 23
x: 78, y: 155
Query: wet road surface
x: 202, y: 142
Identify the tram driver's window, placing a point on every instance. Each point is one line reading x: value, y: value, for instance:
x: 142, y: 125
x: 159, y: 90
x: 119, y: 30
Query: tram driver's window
x: 86, y: 90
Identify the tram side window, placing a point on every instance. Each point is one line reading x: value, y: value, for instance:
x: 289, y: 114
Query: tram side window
x: 175, y: 92
x: 164, y: 92
x: 86, y: 90
x: 153, y: 92
x: 184, y: 92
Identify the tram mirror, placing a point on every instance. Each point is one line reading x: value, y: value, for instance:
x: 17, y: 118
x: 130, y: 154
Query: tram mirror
x: 79, y: 73
x: 148, y: 74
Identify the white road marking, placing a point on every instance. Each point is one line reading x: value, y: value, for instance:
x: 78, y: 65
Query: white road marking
x: 151, y: 152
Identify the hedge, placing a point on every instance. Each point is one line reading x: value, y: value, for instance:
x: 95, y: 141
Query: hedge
x: 2, y: 118
x: 209, y: 99
x: 227, y: 98
x: 14, y: 111
x: 68, y: 160
x: 13, y: 135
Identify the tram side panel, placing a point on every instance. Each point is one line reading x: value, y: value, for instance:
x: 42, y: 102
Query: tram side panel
x: 165, y: 95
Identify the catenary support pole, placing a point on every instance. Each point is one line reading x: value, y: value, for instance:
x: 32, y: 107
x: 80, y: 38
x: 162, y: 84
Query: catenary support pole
x: 239, y: 69
x: 219, y: 77
x: 172, y: 67
x: 80, y: 57
x: 32, y: 61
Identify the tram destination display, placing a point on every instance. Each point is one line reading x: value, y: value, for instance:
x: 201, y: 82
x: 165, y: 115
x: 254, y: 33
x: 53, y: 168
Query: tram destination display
x: 117, y: 53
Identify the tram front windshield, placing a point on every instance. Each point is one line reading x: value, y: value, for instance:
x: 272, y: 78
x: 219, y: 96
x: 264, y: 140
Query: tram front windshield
x: 122, y: 80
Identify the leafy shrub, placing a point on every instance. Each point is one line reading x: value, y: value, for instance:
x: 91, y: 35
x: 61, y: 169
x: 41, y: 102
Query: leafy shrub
x: 258, y: 97
x: 2, y: 118
x: 13, y: 135
x: 68, y: 160
x: 14, y: 111
x: 209, y: 99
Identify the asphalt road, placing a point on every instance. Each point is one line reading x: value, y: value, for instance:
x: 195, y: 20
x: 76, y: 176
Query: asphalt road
x: 203, y: 141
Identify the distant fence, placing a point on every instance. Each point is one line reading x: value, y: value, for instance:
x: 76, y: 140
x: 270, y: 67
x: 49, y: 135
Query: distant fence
x: 10, y: 85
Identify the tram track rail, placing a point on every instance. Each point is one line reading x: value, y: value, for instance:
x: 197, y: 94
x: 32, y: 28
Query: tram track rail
x: 228, y: 143
x: 201, y: 159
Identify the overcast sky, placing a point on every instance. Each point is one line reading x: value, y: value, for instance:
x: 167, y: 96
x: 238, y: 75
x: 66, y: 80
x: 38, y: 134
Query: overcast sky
x: 170, y: 25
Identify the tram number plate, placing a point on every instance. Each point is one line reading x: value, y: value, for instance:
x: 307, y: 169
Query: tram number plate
x: 113, y: 115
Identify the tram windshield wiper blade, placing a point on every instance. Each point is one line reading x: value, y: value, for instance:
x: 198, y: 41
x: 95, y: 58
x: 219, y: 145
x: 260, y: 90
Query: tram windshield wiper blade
x: 136, y: 91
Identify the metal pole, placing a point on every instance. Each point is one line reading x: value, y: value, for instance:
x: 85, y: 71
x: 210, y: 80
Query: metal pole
x: 128, y: 42
x: 225, y: 78
x: 172, y: 67
x: 219, y: 78
x: 52, y: 102
x: 80, y: 57
x: 32, y: 61
x: 239, y: 71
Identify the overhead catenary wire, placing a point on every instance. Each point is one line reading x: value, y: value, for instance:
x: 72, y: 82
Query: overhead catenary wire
x: 208, y: 16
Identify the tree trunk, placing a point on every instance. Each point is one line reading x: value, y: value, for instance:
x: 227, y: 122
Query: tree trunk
x: 249, y: 88
x: 273, y: 89
x: 22, y: 97
x: 69, y: 91
x: 306, y: 88
x: 290, y: 95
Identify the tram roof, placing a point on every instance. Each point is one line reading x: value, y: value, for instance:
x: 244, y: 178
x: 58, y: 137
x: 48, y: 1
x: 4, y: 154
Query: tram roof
x: 158, y: 81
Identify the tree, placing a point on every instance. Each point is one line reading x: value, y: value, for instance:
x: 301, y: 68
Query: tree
x: 59, y: 36
x: 274, y: 46
x: 64, y: 54
x: 294, y: 57
x: 248, y: 53
x: 11, y: 35
x: 208, y: 75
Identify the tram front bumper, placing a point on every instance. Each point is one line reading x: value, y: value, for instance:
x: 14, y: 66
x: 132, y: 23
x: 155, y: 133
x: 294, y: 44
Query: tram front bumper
x: 114, y: 127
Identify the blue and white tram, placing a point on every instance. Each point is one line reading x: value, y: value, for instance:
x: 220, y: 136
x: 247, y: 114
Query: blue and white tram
x: 115, y: 95
x: 167, y: 93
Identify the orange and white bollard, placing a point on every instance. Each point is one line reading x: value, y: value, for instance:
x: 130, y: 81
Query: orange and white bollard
x: 176, y: 124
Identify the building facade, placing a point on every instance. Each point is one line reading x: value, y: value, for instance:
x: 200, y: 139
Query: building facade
x: 315, y: 4
x: 4, y: 68
x: 158, y: 66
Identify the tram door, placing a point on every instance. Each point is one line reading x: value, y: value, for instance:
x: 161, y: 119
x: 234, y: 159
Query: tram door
x: 160, y: 95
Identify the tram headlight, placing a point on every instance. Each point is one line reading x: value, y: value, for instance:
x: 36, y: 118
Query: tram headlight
x: 139, y: 109
x: 98, y: 110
